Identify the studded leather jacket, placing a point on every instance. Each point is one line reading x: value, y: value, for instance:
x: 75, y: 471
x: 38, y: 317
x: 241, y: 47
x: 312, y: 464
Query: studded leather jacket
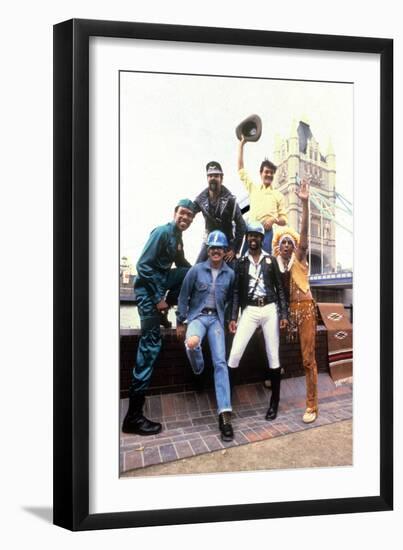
x: 225, y: 215
x: 272, y: 282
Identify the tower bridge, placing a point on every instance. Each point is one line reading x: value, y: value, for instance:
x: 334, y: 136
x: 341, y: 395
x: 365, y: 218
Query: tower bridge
x: 299, y: 157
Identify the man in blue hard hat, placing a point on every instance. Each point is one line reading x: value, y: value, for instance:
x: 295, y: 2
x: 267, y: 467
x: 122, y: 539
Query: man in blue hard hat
x: 157, y: 288
x: 221, y: 212
x: 258, y: 290
x: 203, y: 310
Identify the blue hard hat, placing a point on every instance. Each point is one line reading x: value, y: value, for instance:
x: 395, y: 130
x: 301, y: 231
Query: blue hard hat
x: 217, y: 238
x: 255, y: 227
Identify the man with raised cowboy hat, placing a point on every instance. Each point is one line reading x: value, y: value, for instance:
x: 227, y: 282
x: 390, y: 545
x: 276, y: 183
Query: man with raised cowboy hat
x: 266, y: 204
x: 157, y: 288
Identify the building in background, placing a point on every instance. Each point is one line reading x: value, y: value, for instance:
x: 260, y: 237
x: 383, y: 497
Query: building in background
x: 299, y: 156
x: 127, y: 272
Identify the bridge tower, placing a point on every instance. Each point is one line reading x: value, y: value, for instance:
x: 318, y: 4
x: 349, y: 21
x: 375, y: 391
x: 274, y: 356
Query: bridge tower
x: 299, y: 156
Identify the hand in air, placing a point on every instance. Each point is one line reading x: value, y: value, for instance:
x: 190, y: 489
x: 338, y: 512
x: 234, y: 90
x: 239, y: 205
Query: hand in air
x: 303, y: 191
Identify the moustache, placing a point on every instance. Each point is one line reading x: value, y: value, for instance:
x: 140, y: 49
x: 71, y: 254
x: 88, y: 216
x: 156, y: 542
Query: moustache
x: 213, y: 185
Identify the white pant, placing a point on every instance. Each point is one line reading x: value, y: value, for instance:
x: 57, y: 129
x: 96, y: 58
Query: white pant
x: 253, y: 317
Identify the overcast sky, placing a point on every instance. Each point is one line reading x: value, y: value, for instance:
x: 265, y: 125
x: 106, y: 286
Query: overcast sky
x: 172, y: 125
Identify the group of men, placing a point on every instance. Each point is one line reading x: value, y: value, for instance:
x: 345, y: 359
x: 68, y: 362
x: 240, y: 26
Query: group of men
x: 235, y: 270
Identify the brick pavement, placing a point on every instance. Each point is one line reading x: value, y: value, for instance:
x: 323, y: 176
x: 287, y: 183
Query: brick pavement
x: 190, y: 423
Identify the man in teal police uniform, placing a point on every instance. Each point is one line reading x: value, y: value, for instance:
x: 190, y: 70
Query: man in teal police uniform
x: 157, y: 288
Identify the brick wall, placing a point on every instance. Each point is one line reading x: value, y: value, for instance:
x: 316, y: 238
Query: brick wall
x: 172, y: 371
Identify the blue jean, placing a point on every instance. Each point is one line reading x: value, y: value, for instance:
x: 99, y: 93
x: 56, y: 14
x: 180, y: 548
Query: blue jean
x: 267, y: 240
x: 210, y: 325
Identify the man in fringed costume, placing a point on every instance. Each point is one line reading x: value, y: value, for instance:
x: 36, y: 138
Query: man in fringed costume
x: 290, y: 250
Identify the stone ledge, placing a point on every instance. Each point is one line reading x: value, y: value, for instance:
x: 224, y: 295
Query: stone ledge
x: 172, y: 372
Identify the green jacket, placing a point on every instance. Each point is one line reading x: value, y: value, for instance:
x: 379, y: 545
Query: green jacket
x: 163, y: 248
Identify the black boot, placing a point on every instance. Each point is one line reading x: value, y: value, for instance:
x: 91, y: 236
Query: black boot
x: 224, y: 423
x: 231, y: 378
x: 275, y: 394
x: 164, y: 319
x: 135, y: 422
x: 198, y: 382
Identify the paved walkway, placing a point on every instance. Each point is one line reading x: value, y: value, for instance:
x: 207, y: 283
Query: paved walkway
x: 325, y: 446
x: 190, y: 424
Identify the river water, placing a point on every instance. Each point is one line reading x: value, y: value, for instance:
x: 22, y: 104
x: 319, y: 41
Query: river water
x: 129, y: 317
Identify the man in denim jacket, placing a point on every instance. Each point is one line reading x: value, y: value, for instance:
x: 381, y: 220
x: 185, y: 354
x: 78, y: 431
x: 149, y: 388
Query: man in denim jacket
x: 202, y: 307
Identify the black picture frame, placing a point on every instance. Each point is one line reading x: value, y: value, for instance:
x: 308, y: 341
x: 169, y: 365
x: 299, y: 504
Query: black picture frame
x: 71, y: 274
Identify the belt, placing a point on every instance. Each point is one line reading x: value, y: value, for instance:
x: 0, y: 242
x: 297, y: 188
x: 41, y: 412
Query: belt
x: 209, y: 311
x: 259, y: 302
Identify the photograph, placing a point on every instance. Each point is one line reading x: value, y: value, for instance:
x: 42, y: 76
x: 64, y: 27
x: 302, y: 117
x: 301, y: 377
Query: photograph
x: 200, y: 201
x: 236, y: 273
x: 211, y: 264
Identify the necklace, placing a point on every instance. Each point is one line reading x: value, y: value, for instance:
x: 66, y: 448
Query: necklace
x: 286, y: 264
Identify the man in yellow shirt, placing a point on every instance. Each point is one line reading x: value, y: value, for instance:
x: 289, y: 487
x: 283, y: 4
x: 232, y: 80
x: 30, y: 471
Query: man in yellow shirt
x: 266, y: 203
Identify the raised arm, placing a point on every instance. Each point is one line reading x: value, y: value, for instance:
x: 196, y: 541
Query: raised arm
x: 247, y: 182
x: 303, y: 194
x: 240, y: 153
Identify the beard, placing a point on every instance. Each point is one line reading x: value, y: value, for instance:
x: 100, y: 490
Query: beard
x: 254, y: 244
x: 213, y: 186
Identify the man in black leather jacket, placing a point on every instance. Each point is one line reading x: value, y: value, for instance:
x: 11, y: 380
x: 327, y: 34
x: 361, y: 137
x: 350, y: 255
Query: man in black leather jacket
x: 220, y: 211
x: 258, y: 290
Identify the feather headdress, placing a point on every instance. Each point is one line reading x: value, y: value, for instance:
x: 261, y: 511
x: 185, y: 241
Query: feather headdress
x: 280, y: 234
